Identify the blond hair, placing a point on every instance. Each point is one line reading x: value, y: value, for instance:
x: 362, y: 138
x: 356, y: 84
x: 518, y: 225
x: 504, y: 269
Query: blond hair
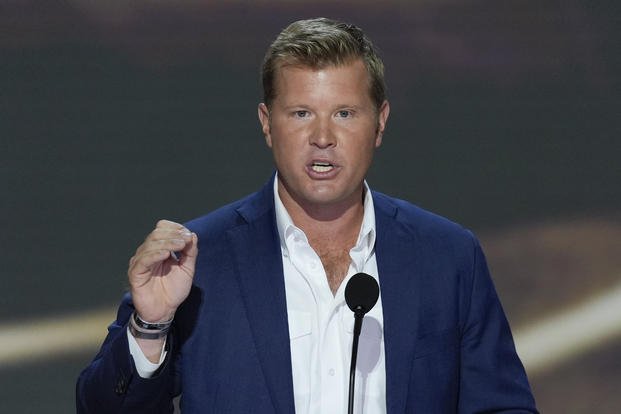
x: 318, y: 43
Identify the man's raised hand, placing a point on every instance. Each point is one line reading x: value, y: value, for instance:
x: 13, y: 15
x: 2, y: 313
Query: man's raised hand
x: 161, y: 271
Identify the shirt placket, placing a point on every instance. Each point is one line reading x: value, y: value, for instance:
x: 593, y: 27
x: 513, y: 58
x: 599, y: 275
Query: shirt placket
x: 328, y: 356
x: 332, y: 353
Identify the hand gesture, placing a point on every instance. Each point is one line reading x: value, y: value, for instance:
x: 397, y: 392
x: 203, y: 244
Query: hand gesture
x: 161, y: 271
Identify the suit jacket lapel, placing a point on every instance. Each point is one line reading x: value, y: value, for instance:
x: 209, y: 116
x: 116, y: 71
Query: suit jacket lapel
x: 259, y: 270
x: 396, y: 262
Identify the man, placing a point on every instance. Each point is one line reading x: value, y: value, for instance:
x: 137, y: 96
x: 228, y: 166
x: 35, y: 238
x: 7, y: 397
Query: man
x: 257, y: 323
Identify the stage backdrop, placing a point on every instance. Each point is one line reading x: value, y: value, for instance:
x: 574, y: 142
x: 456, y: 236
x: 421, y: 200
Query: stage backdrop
x: 505, y: 118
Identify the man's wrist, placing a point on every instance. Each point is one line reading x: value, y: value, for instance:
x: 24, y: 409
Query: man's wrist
x: 142, y: 329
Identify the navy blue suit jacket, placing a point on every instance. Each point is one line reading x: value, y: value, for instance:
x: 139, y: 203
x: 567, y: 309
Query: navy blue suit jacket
x: 448, y: 346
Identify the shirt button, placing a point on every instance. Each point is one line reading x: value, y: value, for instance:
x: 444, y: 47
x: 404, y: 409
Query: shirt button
x: 331, y: 372
x: 313, y: 265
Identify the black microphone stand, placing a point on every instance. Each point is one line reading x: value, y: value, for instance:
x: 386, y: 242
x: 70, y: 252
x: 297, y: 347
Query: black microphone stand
x: 361, y: 294
x: 358, y: 315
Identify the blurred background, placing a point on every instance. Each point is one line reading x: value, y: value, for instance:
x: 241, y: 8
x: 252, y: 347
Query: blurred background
x: 114, y: 114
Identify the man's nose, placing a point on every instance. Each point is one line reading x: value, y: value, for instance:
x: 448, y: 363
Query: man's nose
x: 322, y: 135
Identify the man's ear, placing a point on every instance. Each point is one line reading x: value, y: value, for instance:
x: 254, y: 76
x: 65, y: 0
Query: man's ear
x: 382, y: 119
x: 264, y: 119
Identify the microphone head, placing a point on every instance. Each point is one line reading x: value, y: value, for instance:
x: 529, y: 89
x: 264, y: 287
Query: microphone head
x: 361, y: 293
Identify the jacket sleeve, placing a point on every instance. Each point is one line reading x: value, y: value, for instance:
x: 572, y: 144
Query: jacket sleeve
x: 111, y: 384
x: 493, y: 379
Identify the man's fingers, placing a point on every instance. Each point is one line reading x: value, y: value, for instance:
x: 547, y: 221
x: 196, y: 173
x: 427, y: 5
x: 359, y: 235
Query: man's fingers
x: 155, y: 251
x: 168, y: 237
x: 144, y: 262
x: 167, y: 224
x: 191, y: 249
x: 162, y: 235
x: 174, y: 243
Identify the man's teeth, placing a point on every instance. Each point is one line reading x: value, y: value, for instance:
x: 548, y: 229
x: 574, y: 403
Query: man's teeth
x: 321, y: 167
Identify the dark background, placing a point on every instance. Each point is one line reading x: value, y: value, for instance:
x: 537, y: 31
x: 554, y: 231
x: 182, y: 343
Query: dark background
x: 505, y: 116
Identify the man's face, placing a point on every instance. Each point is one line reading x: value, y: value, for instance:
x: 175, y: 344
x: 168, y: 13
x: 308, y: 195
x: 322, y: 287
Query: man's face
x: 323, y: 128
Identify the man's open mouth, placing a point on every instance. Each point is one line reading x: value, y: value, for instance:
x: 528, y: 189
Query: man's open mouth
x: 321, y: 167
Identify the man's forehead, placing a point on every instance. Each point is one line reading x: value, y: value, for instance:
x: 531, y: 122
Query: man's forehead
x: 333, y: 85
x: 320, y: 71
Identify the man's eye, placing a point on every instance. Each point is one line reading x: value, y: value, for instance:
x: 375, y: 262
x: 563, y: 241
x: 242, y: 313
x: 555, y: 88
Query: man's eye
x: 344, y: 114
x: 301, y: 114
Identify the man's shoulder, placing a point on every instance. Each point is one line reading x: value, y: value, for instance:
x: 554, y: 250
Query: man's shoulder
x: 417, y: 220
x: 222, y: 218
x: 235, y: 214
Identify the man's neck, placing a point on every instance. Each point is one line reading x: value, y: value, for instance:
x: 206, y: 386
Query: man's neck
x: 336, y: 222
x: 331, y: 229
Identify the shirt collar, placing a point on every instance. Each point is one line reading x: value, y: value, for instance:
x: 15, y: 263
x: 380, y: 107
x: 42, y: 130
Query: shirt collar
x: 366, y: 238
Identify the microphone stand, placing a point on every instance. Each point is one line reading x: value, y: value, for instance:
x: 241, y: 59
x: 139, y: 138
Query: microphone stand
x: 358, y: 315
x: 361, y: 294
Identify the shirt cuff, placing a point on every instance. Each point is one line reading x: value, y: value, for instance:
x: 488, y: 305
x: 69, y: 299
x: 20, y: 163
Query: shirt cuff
x: 144, y: 367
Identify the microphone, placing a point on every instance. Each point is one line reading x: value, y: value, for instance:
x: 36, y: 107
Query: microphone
x: 361, y: 294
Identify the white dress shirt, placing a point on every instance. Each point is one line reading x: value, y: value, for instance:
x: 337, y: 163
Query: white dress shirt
x: 321, y: 324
